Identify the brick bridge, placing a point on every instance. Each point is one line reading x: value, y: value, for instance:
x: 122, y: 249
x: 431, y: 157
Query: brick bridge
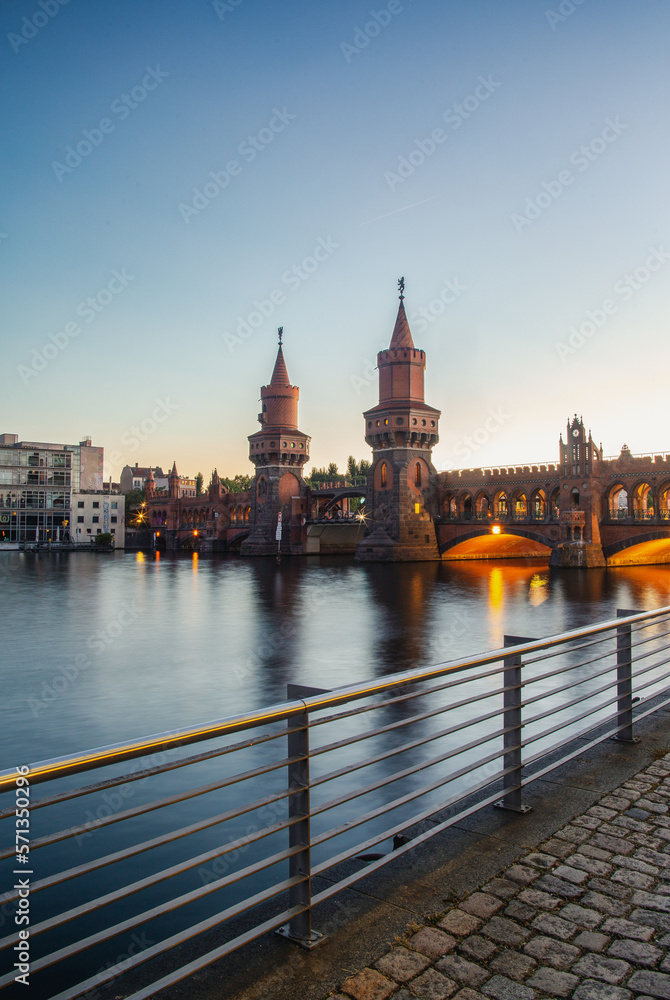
x: 583, y: 510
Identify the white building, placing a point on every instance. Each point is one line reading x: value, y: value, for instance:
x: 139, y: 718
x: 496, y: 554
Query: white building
x: 96, y: 514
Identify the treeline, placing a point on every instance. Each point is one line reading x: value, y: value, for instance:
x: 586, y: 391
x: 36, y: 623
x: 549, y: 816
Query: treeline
x: 354, y: 470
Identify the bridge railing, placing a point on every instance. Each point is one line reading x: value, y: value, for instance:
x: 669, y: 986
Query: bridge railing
x: 272, y: 812
x: 502, y: 517
x: 623, y: 514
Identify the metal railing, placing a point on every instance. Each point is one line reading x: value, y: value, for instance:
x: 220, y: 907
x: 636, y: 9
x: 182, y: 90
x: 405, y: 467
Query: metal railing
x: 278, y: 798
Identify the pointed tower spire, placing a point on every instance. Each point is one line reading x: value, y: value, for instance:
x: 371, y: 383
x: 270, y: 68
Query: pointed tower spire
x: 280, y: 373
x: 402, y: 335
x: 174, y: 469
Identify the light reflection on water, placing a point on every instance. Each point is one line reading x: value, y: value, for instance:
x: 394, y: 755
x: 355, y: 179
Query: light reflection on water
x: 102, y: 648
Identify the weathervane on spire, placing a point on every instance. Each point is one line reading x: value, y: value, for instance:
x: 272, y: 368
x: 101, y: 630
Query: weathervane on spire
x: 401, y: 288
x: 280, y: 331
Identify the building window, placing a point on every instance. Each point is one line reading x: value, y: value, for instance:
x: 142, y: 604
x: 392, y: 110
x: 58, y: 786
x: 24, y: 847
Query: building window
x: 115, y: 506
x: 80, y: 519
x: 99, y: 531
x: 383, y: 476
x: 80, y: 504
x: 96, y: 505
x: 95, y: 519
x: 88, y: 531
x: 417, y: 474
x: 113, y: 519
x: 113, y: 531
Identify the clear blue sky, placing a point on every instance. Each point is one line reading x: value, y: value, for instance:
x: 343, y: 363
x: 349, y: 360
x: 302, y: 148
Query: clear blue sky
x: 339, y: 104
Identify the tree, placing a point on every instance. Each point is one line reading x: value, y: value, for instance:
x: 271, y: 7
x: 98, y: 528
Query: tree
x: 105, y: 538
x: 198, y: 484
x: 238, y: 484
x: 134, y: 500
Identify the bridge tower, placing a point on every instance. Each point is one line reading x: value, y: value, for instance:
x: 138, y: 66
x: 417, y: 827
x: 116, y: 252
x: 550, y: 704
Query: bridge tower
x: 401, y: 430
x: 278, y: 451
x: 579, y: 501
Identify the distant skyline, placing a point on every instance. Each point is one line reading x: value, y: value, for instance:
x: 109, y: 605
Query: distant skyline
x: 181, y: 179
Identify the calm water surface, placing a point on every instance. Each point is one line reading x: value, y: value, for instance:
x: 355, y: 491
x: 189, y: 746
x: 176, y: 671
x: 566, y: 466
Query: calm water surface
x: 102, y: 648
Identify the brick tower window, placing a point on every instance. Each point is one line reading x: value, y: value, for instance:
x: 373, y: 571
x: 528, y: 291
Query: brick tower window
x: 383, y: 476
x: 417, y: 474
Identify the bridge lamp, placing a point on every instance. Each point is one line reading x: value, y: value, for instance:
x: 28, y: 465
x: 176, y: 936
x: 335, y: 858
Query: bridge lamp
x: 495, y: 529
x: 195, y: 534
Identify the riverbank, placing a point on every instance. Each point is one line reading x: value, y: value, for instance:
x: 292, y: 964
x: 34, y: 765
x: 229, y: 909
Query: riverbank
x: 564, y: 901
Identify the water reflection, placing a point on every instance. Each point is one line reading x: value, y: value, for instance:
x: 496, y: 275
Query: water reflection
x: 171, y: 640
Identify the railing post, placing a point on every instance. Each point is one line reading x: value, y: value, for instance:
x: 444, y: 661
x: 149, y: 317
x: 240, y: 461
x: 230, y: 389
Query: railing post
x: 299, y: 929
x: 624, y: 677
x: 512, y: 723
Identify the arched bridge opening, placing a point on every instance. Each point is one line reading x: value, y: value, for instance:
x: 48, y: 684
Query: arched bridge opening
x: 507, y: 543
x: 649, y: 549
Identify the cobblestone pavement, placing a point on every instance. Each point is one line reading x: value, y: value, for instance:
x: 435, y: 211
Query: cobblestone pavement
x: 586, y: 915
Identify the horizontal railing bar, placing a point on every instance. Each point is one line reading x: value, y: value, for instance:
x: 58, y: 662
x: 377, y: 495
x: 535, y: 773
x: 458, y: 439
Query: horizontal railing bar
x: 119, y: 817
x: 126, y: 852
x: 575, y: 736
x: 149, y: 880
x: 409, y: 797
x: 611, y: 637
x: 338, y: 716
x: 67, y: 951
x: 422, y: 741
x: 212, y: 956
x: 591, y: 694
x: 149, y: 772
x: 114, y: 753
x: 405, y: 773
x: 438, y: 828
x: 562, y: 725
x: 582, y: 697
x: 566, y: 687
x: 528, y: 681
x: 595, y: 642
x: 412, y: 720
x: 176, y: 939
x: 526, y: 780
x: 653, y: 680
x: 102, y: 756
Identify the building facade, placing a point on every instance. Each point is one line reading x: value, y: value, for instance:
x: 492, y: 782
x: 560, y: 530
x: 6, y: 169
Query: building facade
x: 94, y: 514
x: 37, y: 482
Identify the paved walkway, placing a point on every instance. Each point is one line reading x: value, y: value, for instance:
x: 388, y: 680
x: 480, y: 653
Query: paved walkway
x: 586, y: 915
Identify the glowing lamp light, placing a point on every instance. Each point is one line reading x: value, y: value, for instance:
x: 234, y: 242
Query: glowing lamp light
x: 195, y: 534
x: 496, y: 529
x: 417, y: 508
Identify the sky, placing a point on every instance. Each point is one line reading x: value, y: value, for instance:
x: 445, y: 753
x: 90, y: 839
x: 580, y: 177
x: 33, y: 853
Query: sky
x: 180, y: 179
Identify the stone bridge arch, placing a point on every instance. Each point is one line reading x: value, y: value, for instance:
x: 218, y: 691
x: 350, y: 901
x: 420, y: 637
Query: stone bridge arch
x: 539, y: 538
